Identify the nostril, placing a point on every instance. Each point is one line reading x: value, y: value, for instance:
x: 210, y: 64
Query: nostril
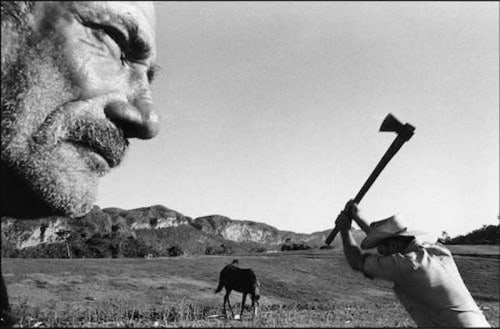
x: 139, y: 121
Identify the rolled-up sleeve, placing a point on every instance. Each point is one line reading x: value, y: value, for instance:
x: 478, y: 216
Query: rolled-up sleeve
x: 382, y: 267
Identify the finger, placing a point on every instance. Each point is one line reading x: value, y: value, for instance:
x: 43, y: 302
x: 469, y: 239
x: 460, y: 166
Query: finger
x: 340, y: 217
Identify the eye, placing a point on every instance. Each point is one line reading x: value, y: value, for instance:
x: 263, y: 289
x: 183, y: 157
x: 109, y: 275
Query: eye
x: 115, y: 34
x: 118, y: 38
x: 109, y: 34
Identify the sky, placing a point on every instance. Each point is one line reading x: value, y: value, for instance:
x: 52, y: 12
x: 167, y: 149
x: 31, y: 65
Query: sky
x: 270, y: 112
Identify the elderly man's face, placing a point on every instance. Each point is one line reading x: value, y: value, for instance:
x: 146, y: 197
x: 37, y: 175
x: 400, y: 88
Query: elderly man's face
x: 73, y: 94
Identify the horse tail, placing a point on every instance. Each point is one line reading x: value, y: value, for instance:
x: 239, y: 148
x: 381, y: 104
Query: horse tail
x: 219, y: 287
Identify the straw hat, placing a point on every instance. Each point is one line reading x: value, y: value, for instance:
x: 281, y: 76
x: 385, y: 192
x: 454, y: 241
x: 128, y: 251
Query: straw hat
x: 386, y: 228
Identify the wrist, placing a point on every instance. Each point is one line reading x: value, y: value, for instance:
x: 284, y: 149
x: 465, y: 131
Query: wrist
x: 344, y: 230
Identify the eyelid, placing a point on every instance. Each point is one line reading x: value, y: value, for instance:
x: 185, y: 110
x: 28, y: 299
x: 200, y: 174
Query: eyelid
x: 114, y: 33
x: 125, y: 43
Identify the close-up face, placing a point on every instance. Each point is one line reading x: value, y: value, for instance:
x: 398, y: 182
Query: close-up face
x: 74, y: 90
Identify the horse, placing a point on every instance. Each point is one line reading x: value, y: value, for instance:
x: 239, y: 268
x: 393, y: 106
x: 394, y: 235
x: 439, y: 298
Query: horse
x: 242, y: 280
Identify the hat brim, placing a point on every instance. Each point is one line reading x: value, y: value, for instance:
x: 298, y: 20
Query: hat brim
x: 372, y: 240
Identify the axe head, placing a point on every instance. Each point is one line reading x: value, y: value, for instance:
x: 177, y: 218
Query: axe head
x: 390, y: 123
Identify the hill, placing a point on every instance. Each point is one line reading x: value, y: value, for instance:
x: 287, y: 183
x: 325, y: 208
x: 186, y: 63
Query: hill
x: 156, y: 230
x: 488, y: 234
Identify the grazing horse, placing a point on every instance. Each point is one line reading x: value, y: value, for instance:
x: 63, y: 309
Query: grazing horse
x: 242, y: 280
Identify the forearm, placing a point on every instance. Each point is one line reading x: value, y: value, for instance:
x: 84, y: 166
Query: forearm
x: 352, y: 251
x: 353, y: 212
x: 362, y: 224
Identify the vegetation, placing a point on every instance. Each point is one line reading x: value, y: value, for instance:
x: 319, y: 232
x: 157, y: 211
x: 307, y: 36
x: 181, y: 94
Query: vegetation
x: 221, y: 250
x: 486, y: 235
x: 192, y: 314
x: 175, y: 251
x: 310, y: 288
x: 289, y: 245
x: 117, y: 233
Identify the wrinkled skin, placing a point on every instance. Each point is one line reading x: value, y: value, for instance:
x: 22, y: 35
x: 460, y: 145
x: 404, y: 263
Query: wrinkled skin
x: 75, y: 88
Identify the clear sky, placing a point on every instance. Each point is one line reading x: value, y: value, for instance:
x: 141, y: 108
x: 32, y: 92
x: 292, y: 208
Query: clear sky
x: 271, y: 110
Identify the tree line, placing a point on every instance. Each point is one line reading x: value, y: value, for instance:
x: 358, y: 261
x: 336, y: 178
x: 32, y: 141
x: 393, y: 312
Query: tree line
x: 488, y: 234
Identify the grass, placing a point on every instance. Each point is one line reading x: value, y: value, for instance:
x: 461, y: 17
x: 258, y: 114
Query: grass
x: 186, y: 314
x: 299, y: 289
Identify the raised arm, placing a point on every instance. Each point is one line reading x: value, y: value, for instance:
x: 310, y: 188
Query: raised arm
x: 353, y: 212
x: 352, y: 252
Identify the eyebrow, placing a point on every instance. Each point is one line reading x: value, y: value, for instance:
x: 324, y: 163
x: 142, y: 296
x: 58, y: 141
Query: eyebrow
x: 135, y: 45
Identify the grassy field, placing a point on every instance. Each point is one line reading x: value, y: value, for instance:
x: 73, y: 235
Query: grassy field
x: 299, y: 289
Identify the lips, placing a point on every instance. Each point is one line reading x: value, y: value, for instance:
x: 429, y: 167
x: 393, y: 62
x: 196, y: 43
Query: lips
x: 99, y: 137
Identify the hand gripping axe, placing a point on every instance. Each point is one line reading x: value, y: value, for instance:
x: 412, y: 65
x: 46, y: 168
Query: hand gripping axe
x: 404, y: 133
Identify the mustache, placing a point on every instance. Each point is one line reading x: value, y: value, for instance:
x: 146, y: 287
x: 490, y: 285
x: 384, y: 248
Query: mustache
x: 102, y: 138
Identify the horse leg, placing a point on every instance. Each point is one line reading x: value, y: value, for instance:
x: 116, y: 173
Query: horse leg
x: 255, y: 305
x: 224, y: 304
x: 243, y: 304
x: 226, y: 300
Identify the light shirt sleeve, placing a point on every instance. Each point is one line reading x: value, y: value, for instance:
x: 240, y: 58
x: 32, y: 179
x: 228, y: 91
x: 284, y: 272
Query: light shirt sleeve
x: 385, y: 267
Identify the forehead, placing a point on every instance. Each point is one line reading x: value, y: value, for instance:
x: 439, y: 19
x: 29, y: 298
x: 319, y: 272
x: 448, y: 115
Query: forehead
x: 142, y: 11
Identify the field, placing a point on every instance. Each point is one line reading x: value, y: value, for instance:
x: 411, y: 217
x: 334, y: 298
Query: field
x: 299, y: 289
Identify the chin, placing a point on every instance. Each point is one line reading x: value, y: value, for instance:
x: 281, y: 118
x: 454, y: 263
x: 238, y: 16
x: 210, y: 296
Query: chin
x: 63, y: 184
x: 69, y: 195
x: 72, y: 203
x: 72, y: 192
x: 73, y: 177
x: 31, y: 196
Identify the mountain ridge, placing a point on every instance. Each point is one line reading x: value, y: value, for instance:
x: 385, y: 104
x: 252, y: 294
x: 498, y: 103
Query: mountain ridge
x: 156, y: 229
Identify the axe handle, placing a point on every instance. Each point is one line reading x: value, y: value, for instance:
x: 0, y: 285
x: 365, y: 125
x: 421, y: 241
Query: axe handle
x: 391, y: 151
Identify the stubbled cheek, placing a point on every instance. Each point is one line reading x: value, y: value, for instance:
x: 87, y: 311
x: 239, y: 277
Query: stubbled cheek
x: 96, y: 77
x: 54, y: 17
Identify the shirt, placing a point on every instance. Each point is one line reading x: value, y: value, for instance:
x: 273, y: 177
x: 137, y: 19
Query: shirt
x: 428, y: 284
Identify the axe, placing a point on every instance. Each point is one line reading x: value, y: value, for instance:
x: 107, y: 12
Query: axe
x: 404, y: 133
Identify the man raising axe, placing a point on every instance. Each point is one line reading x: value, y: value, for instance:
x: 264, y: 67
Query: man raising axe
x: 426, y: 279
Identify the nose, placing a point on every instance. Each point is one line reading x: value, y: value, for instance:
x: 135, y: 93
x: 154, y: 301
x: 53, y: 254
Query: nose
x: 137, y: 120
